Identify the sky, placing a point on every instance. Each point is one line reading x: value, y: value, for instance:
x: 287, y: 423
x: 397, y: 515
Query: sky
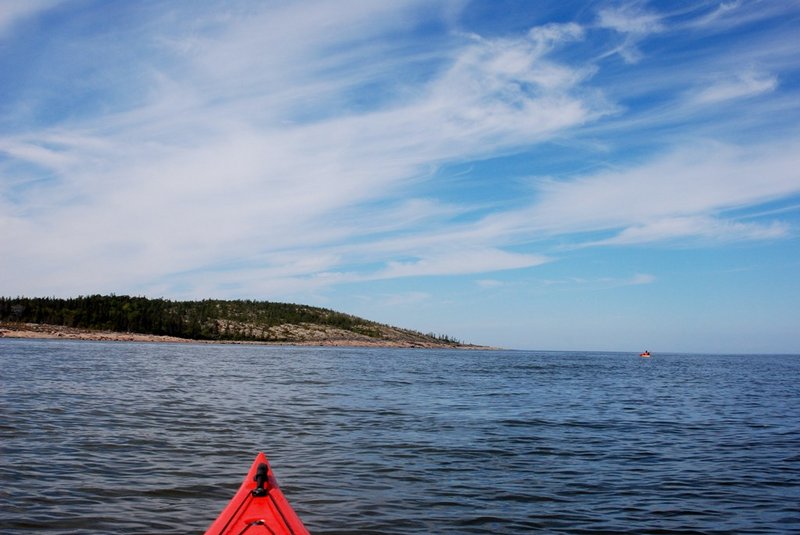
x: 562, y: 175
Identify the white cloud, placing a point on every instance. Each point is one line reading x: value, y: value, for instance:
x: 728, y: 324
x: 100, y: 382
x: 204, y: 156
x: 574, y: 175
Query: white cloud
x: 603, y: 283
x: 707, y: 228
x: 235, y: 184
x: 641, y: 278
x: 36, y: 154
x: 722, y: 11
x: 238, y: 183
x: 552, y: 34
x: 697, y: 181
x: 634, y: 23
x: 15, y: 11
x: 460, y: 262
x: 725, y: 16
x: 249, y: 160
x: 629, y: 19
x: 743, y: 85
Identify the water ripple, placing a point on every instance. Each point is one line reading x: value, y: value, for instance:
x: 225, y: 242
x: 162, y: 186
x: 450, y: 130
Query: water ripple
x: 148, y: 438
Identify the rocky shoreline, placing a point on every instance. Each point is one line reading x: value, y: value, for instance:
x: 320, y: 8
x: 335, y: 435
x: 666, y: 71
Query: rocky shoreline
x: 43, y: 331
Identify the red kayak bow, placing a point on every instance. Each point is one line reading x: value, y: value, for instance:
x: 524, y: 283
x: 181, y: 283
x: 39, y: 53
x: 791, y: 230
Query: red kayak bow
x: 258, y: 507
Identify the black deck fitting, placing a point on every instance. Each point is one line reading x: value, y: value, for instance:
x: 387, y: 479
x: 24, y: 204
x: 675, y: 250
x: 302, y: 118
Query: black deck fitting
x: 261, y: 480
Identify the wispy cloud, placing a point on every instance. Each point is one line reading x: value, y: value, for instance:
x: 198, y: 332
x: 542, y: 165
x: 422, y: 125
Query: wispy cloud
x: 255, y: 185
x: 743, y: 85
x: 602, y: 283
x: 704, y: 179
x: 15, y: 11
x: 704, y: 228
x: 462, y: 262
x: 272, y: 150
x: 634, y: 23
x: 723, y: 16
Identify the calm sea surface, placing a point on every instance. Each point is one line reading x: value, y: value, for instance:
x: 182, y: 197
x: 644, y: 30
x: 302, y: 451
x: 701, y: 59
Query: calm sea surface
x: 148, y: 438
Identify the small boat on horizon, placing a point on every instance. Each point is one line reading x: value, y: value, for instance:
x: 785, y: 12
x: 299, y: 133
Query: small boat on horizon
x: 645, y: 354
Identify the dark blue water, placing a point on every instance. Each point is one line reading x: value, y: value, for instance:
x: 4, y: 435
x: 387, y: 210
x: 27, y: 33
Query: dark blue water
x: 149, y: 438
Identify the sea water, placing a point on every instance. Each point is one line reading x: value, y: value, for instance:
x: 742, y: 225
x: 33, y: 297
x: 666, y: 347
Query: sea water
x: 155, y: 438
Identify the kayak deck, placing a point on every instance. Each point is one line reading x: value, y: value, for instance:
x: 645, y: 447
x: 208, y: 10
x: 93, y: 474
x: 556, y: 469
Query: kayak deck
x: 258, y: 507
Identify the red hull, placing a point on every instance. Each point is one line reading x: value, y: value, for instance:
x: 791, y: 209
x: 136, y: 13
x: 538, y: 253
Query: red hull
x: 262, y: 511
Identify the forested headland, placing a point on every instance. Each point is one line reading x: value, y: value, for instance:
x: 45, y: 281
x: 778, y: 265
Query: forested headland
x: 210, y: 320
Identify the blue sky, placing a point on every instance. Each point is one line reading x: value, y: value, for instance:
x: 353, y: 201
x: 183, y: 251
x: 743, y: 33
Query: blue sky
x: 538, y: 175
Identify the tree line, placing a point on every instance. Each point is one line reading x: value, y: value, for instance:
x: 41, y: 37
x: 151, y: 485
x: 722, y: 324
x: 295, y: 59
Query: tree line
x: 199, y: 320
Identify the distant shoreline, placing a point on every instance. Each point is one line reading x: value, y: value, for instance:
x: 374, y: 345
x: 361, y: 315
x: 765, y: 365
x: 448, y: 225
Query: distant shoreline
x: 38, y: 331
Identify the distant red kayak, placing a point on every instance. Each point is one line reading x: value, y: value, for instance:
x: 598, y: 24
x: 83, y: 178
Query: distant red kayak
x: 258, y: 507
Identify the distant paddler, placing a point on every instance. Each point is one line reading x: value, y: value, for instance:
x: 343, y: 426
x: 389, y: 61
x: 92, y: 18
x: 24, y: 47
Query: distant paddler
x: 645, y: 354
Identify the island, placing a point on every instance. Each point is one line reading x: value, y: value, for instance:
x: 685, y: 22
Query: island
x: 141, y: 319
